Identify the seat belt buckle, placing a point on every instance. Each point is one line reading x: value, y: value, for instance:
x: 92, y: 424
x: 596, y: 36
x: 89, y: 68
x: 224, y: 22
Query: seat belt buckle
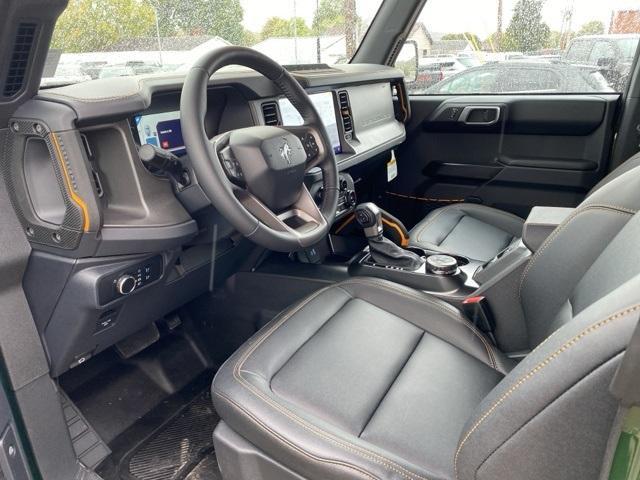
x: 477, y: 310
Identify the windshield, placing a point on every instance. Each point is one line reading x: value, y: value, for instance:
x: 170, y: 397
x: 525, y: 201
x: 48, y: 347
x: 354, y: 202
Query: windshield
x: 132, y: 37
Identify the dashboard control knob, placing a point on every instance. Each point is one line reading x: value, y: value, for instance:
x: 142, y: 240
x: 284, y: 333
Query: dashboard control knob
x: 442, y: 264
x: 126, y: 284
x: 350, y: 199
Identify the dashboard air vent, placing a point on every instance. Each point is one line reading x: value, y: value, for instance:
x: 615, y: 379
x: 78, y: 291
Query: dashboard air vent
x: 270, y: 113
x: 345, y: 111
x: 19, y: 62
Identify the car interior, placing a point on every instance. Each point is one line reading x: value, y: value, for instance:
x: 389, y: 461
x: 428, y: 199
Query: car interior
x: 252, y: 269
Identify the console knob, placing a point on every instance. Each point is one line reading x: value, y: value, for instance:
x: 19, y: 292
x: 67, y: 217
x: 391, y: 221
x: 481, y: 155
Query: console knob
x: 126, y: 284
x: 442, y: 264
x: 351, y: 198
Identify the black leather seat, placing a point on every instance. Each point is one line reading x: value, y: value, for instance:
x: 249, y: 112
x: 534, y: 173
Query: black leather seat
x: 479, y: 232
x: 473, y: 231
x: 350, y: 360
x: 369, y: 379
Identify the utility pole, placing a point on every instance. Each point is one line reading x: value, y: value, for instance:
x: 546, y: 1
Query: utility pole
x: 295, y: 32
x: 155, y: 11
x: 350, y: 27
x: 499, y: 23
x: 318, y: 50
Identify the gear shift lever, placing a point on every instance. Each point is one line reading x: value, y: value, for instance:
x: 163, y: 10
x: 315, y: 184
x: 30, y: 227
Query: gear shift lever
x: 383, y: 251
x: 369, y: 217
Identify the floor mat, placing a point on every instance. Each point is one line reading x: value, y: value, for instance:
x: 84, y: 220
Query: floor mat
x: 182, y: 446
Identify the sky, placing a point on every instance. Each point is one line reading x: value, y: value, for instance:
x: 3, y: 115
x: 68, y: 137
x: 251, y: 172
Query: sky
x: 443, y: 16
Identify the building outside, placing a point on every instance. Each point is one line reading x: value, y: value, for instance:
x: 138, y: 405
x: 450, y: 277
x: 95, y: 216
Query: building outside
x: 625, y: 21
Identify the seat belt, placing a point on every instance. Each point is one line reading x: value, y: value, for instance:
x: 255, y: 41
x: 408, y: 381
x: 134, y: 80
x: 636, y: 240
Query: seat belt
x: 622, y: 458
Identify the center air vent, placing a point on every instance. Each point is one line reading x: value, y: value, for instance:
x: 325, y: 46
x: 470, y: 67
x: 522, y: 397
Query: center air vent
x: 22, y: 46
x: 345, y: 111
x: 270, y: 113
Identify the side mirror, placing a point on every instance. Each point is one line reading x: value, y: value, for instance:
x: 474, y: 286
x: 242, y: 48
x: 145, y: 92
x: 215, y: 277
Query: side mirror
x: 606, y: 62
x: 407, y: 61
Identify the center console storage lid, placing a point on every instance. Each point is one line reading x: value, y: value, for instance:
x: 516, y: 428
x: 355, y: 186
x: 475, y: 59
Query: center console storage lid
x: 540, y: 223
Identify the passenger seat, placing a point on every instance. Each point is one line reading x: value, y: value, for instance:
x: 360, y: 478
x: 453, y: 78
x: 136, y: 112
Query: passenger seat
x: 479, y: 232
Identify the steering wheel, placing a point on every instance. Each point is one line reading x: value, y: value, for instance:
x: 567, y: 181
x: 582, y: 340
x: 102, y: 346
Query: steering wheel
x: 255, y: 176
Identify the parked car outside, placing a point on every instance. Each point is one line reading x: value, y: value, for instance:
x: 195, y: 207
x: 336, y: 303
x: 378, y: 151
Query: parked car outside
x: 522, y: 77
x: 65, y: 74
x: 92, y: 68
x: 612, y: 54
x: 431, y: 70
x: 129, y: 68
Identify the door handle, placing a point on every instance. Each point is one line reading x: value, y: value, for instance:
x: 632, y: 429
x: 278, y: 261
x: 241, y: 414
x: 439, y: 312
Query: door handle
x: 480, y: 115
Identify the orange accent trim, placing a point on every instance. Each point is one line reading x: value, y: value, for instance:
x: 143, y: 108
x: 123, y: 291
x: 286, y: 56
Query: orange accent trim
x: 426, y: 199
x: 404, y: 241
x: 74, y: 196
x: 401, y: 97
x: 349, y: 219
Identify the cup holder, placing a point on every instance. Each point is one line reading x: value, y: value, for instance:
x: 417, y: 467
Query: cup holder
x: 461, y: 260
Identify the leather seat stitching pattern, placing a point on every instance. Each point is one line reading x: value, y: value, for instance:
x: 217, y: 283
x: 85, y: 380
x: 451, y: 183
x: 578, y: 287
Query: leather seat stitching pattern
x: 472, y: 206
x: 461, y: 208
x: 530, y: 420
x: 376, y: 458
x: 459, y: 318
x: 537, y: 369
x: 433, y: 219
x: 291, y: 444
x: 450, y: 231
x: 557, y: 231
x: 347, y: 446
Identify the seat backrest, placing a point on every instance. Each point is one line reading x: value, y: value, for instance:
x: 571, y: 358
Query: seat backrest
x: 550, y: 416
x: 584, y: 258
x: 624, y: 167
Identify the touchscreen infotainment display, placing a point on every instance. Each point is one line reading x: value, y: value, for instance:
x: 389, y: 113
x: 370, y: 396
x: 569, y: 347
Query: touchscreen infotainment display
x: 162, y: 130
x: 324, y: 104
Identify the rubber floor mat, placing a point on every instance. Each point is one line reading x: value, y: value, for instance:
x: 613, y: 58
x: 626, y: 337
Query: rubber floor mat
x: 179, y: 446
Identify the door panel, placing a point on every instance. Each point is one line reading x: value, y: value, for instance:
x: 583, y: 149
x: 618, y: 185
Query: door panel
x: 542, y: 150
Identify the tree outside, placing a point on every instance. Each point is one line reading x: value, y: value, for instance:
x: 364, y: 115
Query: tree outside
x: 222, y: 18
x: 595, y: 27
x: 526, y: 32
x: 282, y: 27
x: 87, y: 25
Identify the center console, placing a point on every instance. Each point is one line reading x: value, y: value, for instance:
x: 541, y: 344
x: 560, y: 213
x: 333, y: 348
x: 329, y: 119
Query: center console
x: 441, y: 275
x: 478, y: 288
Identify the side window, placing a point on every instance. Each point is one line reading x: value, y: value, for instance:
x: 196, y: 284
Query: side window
x: 470, y: 82
x: 524, y: 46
x: 602, y: 50
x: 578, y: 51
x: 523, y: 80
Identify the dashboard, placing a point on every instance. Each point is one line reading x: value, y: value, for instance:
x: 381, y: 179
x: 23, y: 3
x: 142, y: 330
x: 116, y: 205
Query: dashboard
x: 161, y: 130
x: 164, y: 130
x: 325, y: 104
x: 119, y: 246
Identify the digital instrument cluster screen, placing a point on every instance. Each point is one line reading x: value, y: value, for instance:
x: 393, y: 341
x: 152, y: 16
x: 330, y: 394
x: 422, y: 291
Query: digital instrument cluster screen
x: 324, y: 104
x: 162, y: 130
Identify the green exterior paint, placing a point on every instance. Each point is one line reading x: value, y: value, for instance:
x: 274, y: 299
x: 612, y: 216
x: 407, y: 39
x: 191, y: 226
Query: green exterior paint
x: 626, y: 460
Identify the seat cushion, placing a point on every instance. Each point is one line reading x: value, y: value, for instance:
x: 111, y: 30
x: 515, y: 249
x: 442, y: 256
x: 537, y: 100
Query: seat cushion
x: 473, y: 231
x: 364, y: 379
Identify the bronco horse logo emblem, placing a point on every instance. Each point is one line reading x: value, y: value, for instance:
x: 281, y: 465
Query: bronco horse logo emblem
x: 285, y: 152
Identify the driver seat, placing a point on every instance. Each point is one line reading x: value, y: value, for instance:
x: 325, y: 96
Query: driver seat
x: 368, y: 379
